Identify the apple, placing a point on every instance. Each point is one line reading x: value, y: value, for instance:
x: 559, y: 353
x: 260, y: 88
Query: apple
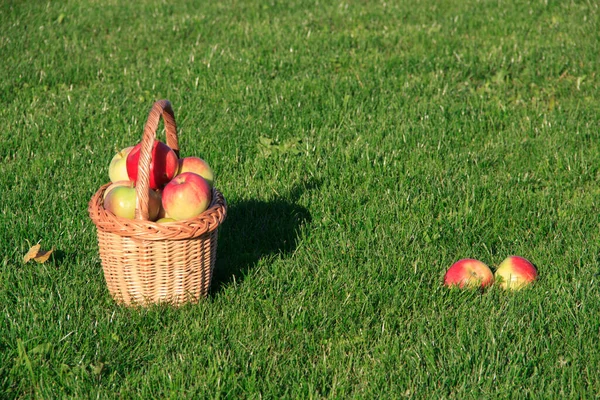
x: 117, y: 170
x: 468, y: 273
x: 163, y: 164
x: 117, y: 184
x: 186, y: 196
x: 515, y: 273
x: 121, y: 202
x: 161, y: 212
x: 198, y: 166
x: 165, y: 220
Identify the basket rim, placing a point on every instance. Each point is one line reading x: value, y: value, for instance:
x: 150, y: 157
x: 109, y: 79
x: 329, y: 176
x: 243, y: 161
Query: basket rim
x: 191, y: 228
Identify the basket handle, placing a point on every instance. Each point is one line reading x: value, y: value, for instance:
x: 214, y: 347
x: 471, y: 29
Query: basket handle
x: 160, y: 108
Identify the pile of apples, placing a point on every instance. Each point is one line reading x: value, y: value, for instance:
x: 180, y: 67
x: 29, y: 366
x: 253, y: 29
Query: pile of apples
x: 513, y: 273
x: 180, y: 188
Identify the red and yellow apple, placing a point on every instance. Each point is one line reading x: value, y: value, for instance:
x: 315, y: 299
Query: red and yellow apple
x: 186, y: 196
x: 164, y: 164
x: 197, y: 166
x: 117, y: 170
x: 515, y: 273
x: 121, y: 202
x: 468, y: 273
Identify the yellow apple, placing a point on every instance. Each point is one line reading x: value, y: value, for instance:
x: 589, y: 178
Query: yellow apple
x: 165, y: 220
x: 117, y: 170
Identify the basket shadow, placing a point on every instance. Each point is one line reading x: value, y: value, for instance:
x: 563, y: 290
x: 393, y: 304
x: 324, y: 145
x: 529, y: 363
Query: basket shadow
x: 254, y: 230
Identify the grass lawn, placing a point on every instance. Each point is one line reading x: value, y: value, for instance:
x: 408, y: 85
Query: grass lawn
x: 362, y: 147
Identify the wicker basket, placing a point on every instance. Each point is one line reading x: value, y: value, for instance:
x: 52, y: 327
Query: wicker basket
x: 144, y: 262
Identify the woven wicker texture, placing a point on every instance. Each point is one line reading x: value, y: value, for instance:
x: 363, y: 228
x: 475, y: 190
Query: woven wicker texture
x: 145, y: 262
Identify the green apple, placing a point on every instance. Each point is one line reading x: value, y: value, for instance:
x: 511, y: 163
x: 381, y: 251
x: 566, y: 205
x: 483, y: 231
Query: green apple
x: 121, y: 202
x: 165, y: 220
x: 117, y: 170
x: 117, y: 184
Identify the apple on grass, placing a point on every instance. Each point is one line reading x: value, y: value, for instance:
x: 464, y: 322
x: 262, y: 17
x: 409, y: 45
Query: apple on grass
x: 468, y: 273
x: 164, y: 164
x: 121, y: 202
x: 186, y: 196
x: 197, y: 166
x: 117, y: 170
x: 515, y: 272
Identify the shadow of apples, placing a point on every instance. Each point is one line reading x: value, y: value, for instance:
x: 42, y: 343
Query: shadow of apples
x: 252, y: 231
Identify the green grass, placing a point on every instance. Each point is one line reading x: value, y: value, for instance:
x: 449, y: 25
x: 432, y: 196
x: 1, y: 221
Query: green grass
x: 418, y: 133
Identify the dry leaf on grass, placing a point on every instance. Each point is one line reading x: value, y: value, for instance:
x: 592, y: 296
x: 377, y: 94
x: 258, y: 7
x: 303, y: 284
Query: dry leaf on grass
x: 35, y: 253
x: 31, y: 253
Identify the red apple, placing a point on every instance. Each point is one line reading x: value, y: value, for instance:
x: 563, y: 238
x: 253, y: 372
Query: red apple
x: 117, y: 170
x: 515, y: 273
x: 468, y: 273
x: 186, y: 196
x: 121, y: 202
x: 197, y: 166
x: 163, y: 165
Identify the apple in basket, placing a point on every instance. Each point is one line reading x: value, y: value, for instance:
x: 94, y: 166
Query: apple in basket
x: 186, y: 196
x: 198, y: 166
x: 120, y: 200
x: 117, y: 170
x: 113, y: 185
x: 163, y: 164
x: 165, y: 220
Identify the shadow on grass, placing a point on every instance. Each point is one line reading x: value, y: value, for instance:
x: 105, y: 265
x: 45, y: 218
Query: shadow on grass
x: 254, y: 230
